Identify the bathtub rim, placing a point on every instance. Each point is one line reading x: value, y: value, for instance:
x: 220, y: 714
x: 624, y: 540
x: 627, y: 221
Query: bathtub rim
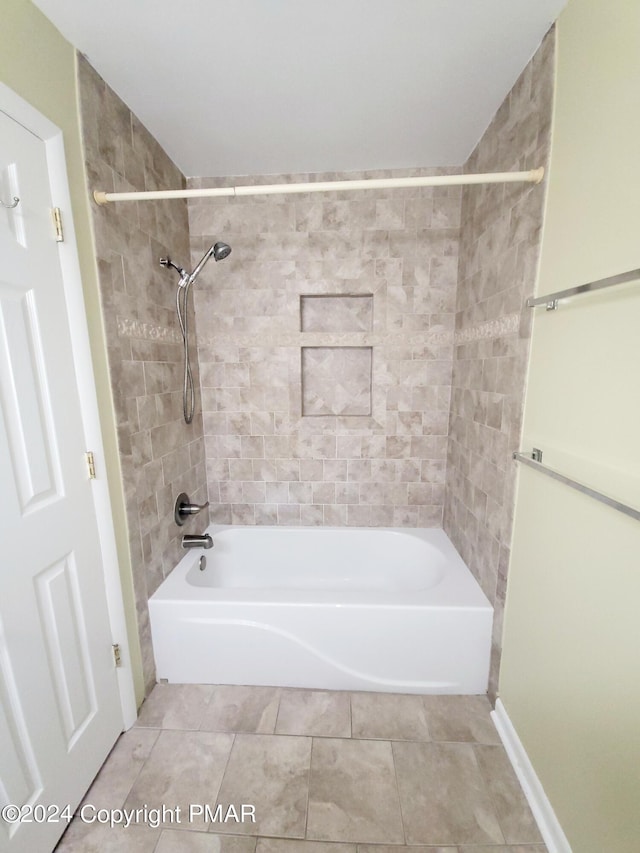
x: 458, y: 589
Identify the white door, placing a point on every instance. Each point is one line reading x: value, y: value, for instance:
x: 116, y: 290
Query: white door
x: 60, y: 709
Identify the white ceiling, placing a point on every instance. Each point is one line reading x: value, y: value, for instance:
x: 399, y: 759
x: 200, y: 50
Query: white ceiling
x: 232, y: 87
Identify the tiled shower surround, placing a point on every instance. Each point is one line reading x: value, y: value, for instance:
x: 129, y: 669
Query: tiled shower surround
x: 160, y: 455
x: 325, y: 348
x: 499, y: 248
x: 361, y: 355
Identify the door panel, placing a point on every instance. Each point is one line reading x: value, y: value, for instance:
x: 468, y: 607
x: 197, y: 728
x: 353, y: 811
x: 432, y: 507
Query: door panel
x: 24, y: 403
x: 65, y: 640
x: 60, y: 709
x: 20, y: 782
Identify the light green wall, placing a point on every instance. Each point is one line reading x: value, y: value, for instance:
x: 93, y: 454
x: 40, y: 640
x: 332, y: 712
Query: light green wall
x: 570, y: 676
x: 39, y: 65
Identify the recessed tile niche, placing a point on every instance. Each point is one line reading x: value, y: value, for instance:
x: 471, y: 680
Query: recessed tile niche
x: 324, y: 313
x: 336, y: 381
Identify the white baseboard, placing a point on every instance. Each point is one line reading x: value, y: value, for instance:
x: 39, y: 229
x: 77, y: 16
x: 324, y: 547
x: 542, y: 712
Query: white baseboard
x: 543, y: 812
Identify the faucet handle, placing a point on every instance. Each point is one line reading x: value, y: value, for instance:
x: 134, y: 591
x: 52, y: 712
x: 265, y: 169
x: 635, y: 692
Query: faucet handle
x: 183, y: 508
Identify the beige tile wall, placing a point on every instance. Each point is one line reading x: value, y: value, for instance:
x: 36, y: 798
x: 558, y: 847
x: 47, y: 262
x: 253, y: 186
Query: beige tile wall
x: 499, y: 248
x: 371, y: 448
x: 160, y: 455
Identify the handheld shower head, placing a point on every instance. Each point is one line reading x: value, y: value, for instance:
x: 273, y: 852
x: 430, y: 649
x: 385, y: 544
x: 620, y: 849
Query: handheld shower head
x: 221, y: 251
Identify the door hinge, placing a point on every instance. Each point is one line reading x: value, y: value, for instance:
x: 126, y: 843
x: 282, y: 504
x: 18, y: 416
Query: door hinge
x: 57, y: 224
x: 117, y: 656
x: 91, y: 464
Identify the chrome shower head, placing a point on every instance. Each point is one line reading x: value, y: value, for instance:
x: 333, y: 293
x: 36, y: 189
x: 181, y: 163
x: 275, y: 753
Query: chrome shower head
x: 221, y: 251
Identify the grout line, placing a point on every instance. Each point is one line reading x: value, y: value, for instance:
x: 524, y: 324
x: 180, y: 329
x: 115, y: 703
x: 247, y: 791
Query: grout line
x: 487, y: 782
x: 426, y: 720
x: 395, y: 772
x: 224, y: 773
x: 206, y: 707
x: 366, y: 738
x: 275, y: 724
x: 306, y: 816
x: 142, y: 766
x: 155, y: 846
x: 454, y: 847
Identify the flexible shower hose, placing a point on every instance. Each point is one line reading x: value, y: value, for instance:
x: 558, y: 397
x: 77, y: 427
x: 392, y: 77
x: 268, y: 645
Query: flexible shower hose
x: 182, y: 309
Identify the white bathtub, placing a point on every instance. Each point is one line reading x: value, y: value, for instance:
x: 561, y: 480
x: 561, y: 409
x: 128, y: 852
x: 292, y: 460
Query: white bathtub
x: 391, y: 610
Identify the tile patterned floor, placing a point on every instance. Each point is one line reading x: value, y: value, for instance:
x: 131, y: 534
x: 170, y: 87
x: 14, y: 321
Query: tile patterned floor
x: 327, y: 772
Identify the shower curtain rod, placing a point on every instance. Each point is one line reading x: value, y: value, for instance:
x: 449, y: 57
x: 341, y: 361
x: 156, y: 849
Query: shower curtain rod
x: 534, y: 176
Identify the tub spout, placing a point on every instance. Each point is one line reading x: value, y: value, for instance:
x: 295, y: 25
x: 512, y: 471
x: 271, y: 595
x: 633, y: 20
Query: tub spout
x: 191, y: 541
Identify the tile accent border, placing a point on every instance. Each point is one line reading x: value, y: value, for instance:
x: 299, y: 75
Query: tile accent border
x: 498, y: 328
x: 128, y: 327
x: 543, y: 812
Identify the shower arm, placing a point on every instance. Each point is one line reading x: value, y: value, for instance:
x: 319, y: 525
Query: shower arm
x: 533, y: 176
